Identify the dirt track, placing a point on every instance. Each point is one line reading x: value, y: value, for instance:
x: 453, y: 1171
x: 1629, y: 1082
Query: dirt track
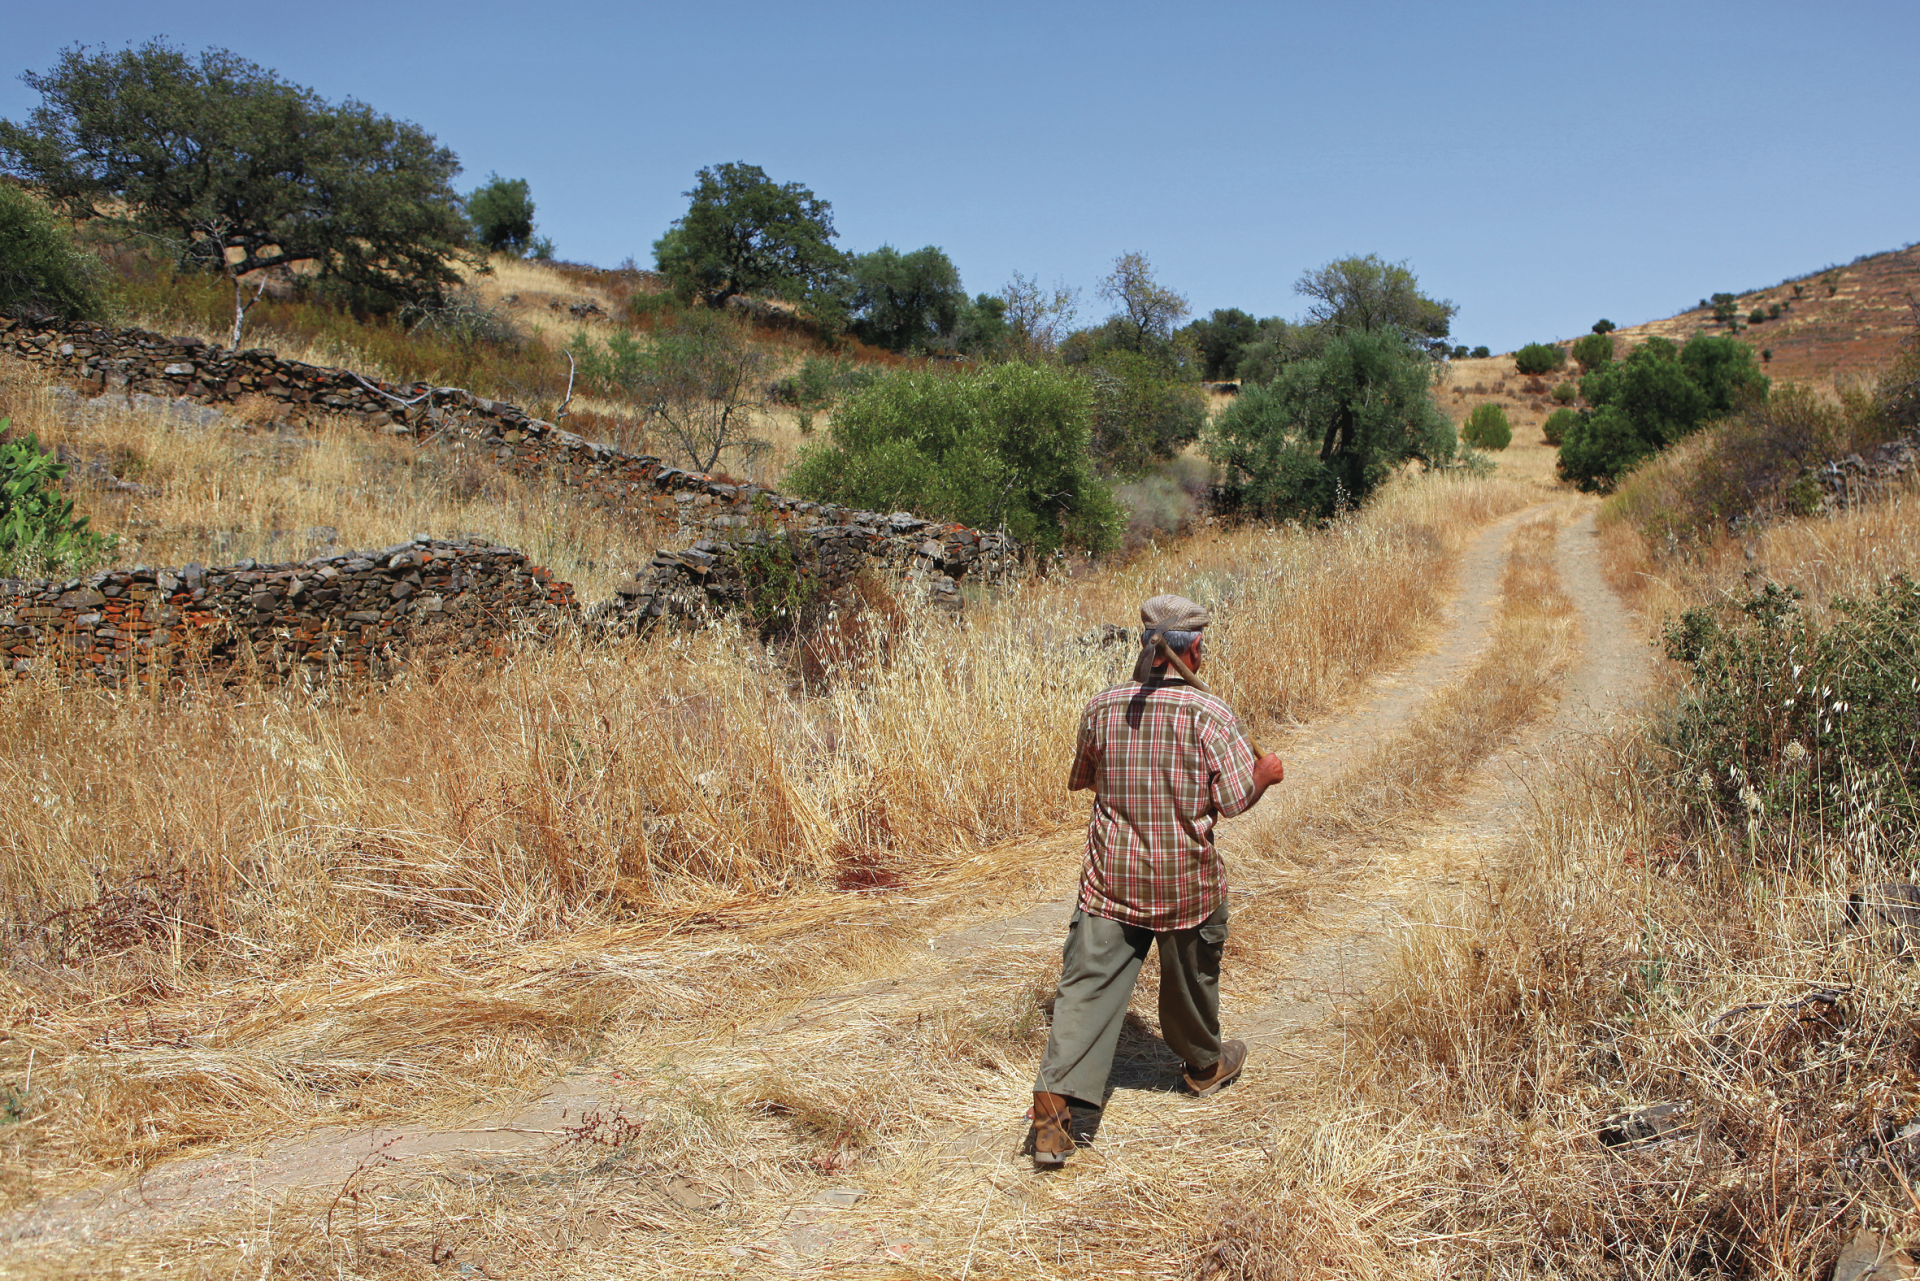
x: 942, y: 1177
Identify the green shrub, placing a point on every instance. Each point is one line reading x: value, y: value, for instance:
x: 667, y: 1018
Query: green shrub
x: 1481, y: 353
x: 1596, y: 449
x: 1593, y: 350
x: 1565, y: 393
x: 1330, y: 428
x: 1557, y: 424
x: 40, y: 536
x: 1004, y: 447
x: 1604, y: 326
x: 1758, y: 316
x: 1793, y: 729
x: 1460, y: 352
x: 1143, y: 412
x: 1726, y: 308
x: 39, y: 267
x: 1539, y: 358
x: 1487, y: 427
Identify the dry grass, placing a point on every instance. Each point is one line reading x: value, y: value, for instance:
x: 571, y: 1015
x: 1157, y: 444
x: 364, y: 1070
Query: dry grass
x: 239, y: 917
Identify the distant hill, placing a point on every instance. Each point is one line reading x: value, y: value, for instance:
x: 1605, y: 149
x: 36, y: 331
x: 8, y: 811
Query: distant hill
x: 1837, y: 321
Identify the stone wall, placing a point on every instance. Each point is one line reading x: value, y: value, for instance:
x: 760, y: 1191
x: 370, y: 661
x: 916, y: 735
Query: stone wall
x: 640, y: 487
x: 363, y: 614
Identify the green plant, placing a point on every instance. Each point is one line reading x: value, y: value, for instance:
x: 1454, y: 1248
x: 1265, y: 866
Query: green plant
x: 1590, y: 351
x: 1481, y: 353
x: 1557, y: 424
x: 1460, y: 352
x: 820, y: 383
x: 1604, y: 326
x: 743, y: 234
x: 905, y: 302
x: 699, y: 381
x: 1148, y: 309
x: 1758, y: 316
x: 1791, y: 727
x: 781, y: 594
x: 1218, y: 338
x: 1766, y: 355
x: 1330, y: 428
x: 39, y: 267
x: 1001, y: 447
x: 1369, y: 294
x: 1143, y: 414
x: 39, y: 534
x: 1487, y: 427
x: 1539, y: 358
x: 501, y: 211
x: 1726, y: 308
x: 217, y: 157
x: 1653, y: 398
x: 1565, y: 393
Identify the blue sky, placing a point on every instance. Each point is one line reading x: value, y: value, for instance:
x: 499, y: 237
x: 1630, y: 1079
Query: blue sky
x: 1541, y: 165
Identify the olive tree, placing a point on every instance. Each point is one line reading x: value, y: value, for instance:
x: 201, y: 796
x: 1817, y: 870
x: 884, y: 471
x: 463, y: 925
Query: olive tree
x: 743, y: 233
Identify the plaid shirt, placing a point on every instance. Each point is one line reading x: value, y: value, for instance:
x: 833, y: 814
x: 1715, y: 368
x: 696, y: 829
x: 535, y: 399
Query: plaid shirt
x: 1163, y: 767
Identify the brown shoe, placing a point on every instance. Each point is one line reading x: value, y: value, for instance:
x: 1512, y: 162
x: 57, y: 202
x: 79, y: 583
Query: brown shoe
x: 1233, y: 1057
x: 1052, y: 1140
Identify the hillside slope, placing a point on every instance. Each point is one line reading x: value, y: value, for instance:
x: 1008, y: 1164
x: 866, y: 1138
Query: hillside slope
x: 1834, y: 322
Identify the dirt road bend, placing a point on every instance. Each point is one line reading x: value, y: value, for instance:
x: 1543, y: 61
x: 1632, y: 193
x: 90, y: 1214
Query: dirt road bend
x: 872, y: 1123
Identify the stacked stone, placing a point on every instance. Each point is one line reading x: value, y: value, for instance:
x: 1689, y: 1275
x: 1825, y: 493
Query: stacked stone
x: 352, y: 614
x: 640, y: 486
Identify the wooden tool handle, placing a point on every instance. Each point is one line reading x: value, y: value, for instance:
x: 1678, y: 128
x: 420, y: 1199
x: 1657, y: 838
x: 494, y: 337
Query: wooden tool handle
x: 1186, y: 674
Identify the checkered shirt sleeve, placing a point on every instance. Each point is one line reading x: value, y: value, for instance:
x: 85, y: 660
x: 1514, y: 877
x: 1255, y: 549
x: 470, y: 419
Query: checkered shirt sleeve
x: 1165, y: 762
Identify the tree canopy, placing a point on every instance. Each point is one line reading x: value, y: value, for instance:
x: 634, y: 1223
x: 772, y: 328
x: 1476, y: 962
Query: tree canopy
x: 1148, y: 309
x: 905, y: 302
x: 501, y: 210
x: 743, y: 233
x: 239, y: 171
x: 1370, y: 294
x: 1331, y: 427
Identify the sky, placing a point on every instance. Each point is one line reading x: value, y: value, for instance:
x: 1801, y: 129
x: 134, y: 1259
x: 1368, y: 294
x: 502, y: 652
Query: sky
x: 1539, y: 165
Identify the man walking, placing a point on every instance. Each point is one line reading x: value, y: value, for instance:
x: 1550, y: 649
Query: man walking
x: 1164, y: 761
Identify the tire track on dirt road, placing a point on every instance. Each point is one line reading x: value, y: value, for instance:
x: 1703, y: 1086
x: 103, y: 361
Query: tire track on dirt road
x: 968, y: 1140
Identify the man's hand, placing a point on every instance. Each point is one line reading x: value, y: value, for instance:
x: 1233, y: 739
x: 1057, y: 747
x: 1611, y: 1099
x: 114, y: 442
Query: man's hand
x: 1267, y: 771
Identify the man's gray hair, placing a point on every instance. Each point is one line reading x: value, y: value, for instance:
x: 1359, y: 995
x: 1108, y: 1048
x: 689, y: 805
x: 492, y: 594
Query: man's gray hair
x: 1179, y: 642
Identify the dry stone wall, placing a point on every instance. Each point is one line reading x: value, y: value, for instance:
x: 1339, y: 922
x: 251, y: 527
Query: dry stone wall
x: 104, y: 359
x: 362, y: 614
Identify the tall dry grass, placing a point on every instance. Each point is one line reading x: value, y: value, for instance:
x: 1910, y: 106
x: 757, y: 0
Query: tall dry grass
x: 212, y: 862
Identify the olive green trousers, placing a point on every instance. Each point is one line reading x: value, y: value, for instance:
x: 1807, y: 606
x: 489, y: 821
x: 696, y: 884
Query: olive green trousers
x: 1098, y: 968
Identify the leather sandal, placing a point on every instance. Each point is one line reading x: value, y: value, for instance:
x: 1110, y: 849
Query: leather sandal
x: 1233, y: 1057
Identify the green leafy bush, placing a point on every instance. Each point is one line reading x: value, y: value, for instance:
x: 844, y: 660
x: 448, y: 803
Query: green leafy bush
x: 1593, y: 350
x: 1565, y: 393
x: 1539, y: 358
x: 1758, y: 316
x: 39, y: 267
x: 1143, y: 413
x: 39, y: 534
x: 1657, y: 395
x: 1004, y: 447
x: 1604, y: 326
x: 1330, y: 428
x: 1792, y: 729
x: 1487, y: 427
x: 1481, y: 353
x: 1555, y: 428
